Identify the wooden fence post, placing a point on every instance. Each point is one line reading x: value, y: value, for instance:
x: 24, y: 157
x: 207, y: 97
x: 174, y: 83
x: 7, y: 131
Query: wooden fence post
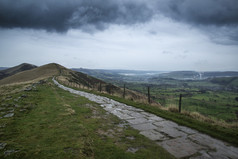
x: 124, y: 91
x: 149, y: 94
x: 180, y: 102
x: 100, y: 87
x: 109, y: 89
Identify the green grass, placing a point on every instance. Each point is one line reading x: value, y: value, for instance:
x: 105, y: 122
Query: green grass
x: 52, y: 123
x: 220, y: 105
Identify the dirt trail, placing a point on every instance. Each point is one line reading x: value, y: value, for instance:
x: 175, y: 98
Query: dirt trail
x: 180, y: 141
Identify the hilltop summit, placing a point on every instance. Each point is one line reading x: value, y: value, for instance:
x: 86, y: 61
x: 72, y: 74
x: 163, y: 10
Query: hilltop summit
x: 14, y: 70
x: 36, y: 73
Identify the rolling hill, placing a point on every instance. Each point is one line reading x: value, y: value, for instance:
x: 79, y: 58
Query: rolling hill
x: 226, y: 81
x: 50, y: 70
x: 14, y: 70
x: 3, y: 68
x: 32, y: 74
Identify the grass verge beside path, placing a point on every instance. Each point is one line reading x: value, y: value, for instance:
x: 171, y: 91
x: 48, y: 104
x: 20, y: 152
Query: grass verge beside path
x: 226, y: 134
x: 52, y: 123
x: 229, y: 135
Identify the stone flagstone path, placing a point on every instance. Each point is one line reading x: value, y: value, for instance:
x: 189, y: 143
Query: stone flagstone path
x: 178, y: 140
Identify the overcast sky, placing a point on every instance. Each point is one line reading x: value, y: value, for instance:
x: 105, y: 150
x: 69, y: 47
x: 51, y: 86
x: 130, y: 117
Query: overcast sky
x: 163, y: 35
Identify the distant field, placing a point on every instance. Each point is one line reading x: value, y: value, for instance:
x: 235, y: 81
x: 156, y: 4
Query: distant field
x: 198, y: 96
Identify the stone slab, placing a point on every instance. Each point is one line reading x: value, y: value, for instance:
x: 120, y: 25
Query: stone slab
x: 180, y: 147
x: 220, y: 148
x: 187, y: 130
x: 154, y: 135
x: 202, y: 155
x: 8, y: 115
x: 166, y: 123
x: 2, y: 145
x: 143, y: 127
x: 137, y: 115
x: 169, y: 128
x: 138, y: 121
x: 121, y: 115
x: 154, y: 118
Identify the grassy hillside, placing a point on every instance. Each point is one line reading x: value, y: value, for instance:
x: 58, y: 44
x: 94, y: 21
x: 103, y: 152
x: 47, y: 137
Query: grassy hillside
x: 49, y: 122
x: 101, y: 74
x: 226, y: 81
x: 33, y: 74
x: 13, y: 70
x: 3, y: 68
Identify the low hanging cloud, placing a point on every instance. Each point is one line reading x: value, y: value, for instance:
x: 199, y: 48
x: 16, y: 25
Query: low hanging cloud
x: 213, y: 16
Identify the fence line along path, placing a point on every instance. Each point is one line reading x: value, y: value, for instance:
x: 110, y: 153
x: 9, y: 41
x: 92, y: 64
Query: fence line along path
x: 178, y: 140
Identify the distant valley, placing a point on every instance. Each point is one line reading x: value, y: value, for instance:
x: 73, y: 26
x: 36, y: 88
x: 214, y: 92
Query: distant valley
x: 212, y: 94
x: 227, y: 78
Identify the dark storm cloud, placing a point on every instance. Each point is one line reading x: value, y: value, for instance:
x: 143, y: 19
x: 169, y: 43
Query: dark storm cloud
x: 60, y: 15
x: 201, y: 12
x: 219, y: 18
